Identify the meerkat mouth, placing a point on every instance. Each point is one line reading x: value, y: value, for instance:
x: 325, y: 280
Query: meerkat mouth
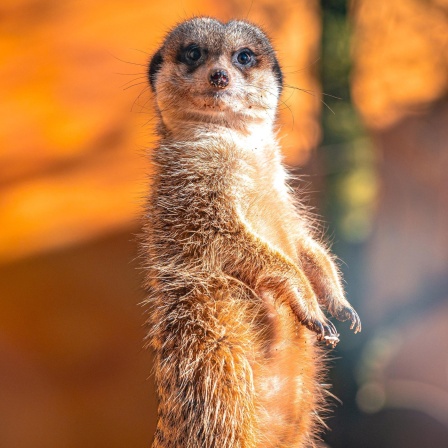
x: 215, y: 101
x: 223, y: 102
x: 218, y: 94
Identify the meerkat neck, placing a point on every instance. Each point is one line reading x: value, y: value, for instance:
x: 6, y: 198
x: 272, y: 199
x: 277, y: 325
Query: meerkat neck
x: 255, y: 133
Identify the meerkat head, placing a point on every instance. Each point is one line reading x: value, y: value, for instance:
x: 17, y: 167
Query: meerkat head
x: 208, y: 71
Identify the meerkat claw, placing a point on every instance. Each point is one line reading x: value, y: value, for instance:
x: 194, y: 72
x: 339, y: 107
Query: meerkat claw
x: 348, y: 313
x: 355, y: 321
x: 332, y: 340
x: 325, y: 331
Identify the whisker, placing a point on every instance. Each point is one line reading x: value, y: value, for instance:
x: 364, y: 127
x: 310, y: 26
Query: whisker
x: 310, y: 92
x: 127, y: 62
x: 141, y: 51
x: 305, y: 67
x: 133, y: 80
x: 329, y: 108
x: 250, y: 7
x: 136, y: 84
x: 280, y: 100
x: 130, y: 74
x: 138, y: 97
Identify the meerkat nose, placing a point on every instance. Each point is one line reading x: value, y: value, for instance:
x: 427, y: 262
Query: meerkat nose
x: 219, y: 78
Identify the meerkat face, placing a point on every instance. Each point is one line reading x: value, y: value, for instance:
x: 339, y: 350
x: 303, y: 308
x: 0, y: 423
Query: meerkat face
x: 212, y: 72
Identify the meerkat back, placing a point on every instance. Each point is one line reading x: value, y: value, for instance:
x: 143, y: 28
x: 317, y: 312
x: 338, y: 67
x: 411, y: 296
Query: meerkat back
x: 237, y: 284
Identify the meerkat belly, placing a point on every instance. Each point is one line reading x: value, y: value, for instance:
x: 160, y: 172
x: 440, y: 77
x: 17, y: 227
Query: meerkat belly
x: 283, y: 378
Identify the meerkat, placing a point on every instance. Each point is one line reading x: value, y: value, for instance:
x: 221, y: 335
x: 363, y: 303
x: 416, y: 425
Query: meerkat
x: 236, y: 281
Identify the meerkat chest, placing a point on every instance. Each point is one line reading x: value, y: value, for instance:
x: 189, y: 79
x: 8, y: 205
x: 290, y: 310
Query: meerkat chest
x: 265, y: 201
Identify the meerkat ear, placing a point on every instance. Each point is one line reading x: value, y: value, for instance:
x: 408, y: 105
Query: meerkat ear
x: 154, y: 67
x: 278, y: 73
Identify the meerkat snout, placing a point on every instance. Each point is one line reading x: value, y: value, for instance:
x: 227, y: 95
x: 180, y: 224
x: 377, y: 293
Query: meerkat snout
x: 219, y: 78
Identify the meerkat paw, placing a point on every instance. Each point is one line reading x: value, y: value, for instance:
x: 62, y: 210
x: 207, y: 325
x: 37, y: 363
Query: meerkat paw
x: 305, y: 306
x: 348, y: 313
x: 316, y: 322
x: 323, y: 275
x: 325, y: 331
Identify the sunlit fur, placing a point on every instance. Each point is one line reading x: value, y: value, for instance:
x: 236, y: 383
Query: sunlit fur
x: 236, y: 282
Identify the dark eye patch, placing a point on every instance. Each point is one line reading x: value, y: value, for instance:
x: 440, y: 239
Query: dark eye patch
x: 278, y: 73
x: 154, y: 66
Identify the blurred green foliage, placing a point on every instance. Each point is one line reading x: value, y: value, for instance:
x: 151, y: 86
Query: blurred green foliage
x: 349, y: 162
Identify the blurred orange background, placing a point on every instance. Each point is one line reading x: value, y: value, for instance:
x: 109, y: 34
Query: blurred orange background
x: 75, y: 125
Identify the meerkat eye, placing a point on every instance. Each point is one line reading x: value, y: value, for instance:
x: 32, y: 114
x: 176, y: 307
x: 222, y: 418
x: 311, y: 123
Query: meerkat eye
x: 244, y: 57
x: 193, y: 54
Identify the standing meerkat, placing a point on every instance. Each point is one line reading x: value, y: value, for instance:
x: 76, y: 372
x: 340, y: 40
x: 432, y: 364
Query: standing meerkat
x: 236, y: 281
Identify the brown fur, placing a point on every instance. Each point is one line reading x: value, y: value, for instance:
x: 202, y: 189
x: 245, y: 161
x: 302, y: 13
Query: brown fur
x: 236, y: 280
